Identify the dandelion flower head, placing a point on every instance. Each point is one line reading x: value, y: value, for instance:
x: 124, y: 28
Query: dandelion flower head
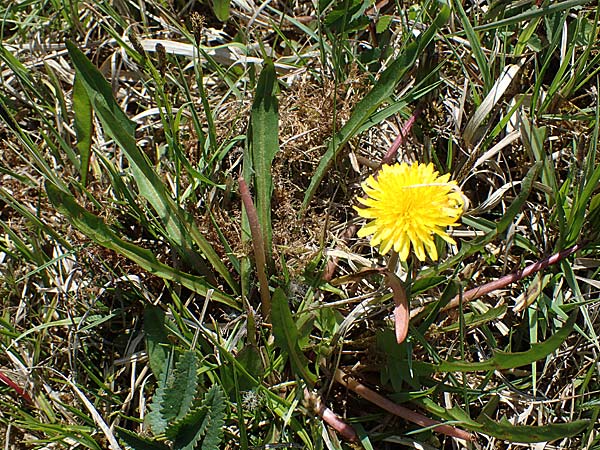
x: 409, y: 204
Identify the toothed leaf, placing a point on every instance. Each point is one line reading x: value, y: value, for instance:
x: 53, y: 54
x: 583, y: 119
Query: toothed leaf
x: 182, y: 390
x: 215, y: 400
x: 155, y: 419
x: 201, y: 428
x: 136, y: 442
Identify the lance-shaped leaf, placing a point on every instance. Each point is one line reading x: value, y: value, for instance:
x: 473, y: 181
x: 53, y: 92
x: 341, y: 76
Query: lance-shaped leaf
x: 506, y: 360
x: 286, y: 336
x: 95, y: 229
x: 528, y: 434
x: 82, y: 115
x: 262, y: 147
x: 504, y: 429
x: 157, y: 339
x: 380, y: 93
x: 179, y: 225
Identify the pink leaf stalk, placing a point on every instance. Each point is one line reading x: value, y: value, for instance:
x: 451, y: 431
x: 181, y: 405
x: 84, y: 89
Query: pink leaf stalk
x: 15, y: 387
x: 259, y: 248
x: 330, y: 418
x: 504, y: 281
x: 400, y: 411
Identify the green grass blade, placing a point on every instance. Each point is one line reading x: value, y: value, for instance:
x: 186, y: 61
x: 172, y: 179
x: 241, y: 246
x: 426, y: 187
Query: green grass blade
x: 94, y: 228
x: 482, y: 63
x: 286, y: 336
x: 381, y: 92
x: 178, y: 224
x: 589, y: 184
x: 532, y: 14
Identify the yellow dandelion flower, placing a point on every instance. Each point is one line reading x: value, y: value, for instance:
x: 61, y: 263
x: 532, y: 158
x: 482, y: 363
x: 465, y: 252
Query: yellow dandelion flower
x: 408, y: 205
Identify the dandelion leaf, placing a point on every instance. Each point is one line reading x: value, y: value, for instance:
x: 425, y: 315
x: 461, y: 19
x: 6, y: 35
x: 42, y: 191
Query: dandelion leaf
x: 249, y: 359
x: 505, y: 360
x: 263, y: 145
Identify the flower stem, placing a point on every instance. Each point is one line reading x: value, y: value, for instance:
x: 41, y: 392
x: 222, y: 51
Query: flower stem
x: 400, y: 411
x: 259, y: 248
x: 329, y: 417
x: 504, y: 281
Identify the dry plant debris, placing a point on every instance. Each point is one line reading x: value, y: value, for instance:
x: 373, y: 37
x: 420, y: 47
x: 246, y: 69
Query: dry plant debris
x: 150, y: 308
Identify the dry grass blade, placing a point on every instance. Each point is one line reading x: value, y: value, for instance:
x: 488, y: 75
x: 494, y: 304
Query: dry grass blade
x: 490, y: 102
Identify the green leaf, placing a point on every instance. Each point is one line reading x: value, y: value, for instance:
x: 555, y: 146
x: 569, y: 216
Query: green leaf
x: 182, y: 388
x: 263, y: 145
x: 286, y: 336
x: 115, y: 122
x: 215, y: 401
x: 249, y: 358
x: 94, y: 228
x: 187, y: 432
x: 383, y: 23
x: 157, y: 342
x: 155, y: 420
x: 504, y: 429
x: 82, y: 113
x: 505, y: 360
x: 221, y: 9
x: 203, y: 424
x: 380, y: 93
x: 527, y: 434
x: 136, y: 442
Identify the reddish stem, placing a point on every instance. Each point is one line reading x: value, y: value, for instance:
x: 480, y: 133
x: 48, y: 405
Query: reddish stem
x: 504, y: 281
x: 18, y: 389
x: 330, y: 418
x: 400, y: 411
x: 390, y: 155
x: 259, y: 248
